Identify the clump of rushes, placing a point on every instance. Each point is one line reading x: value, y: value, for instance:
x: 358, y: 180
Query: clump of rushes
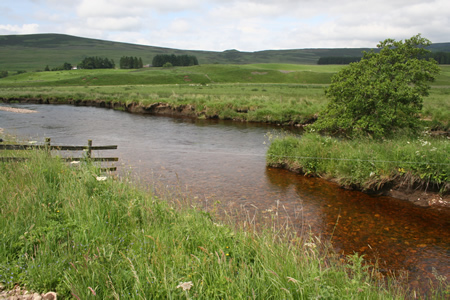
x: 367, y: 164
x: 64, y: 230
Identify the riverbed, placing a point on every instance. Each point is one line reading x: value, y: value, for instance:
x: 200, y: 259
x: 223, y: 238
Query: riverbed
x: 221, y: 165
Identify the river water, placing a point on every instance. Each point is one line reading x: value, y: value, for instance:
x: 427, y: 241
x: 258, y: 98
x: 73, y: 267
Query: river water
x: 223, y: 164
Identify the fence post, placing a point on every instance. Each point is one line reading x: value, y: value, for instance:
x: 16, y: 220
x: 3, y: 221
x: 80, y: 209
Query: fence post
x: 47, y: 145
x: 89, y: 149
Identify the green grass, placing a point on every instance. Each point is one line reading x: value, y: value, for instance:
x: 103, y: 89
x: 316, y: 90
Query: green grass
x: 366, y: 164
x: 203, y: 74
x: 63, y: 230
x: 276, y: 93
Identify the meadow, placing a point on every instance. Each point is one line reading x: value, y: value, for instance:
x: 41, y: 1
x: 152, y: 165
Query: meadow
x: 65, y: 228
x: 276, y: 93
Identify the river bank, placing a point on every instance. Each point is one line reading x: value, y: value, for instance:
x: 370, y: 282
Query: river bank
x: 420, y: 195
x: 415, y: 169
x: 63, y: 230
x: 395, y: 189
x: 173, y: 110
x: 17, y: 110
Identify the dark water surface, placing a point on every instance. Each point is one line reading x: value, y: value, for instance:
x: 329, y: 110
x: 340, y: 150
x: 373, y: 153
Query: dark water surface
x: 223, y: 161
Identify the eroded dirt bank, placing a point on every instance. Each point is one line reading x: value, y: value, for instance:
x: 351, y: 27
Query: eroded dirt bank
x: 159, y: 108
x: 419, y: 196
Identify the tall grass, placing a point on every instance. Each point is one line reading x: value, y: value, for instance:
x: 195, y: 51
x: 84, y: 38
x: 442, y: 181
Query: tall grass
x: 367, y: 164
x: 64, y: 230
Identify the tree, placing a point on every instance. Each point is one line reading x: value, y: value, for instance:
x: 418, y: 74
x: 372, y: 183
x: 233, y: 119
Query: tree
x: 131, y: 62
x: 96, y: 63
x: 382, y: 93
x: 176, y: 60
x: 67, y: 66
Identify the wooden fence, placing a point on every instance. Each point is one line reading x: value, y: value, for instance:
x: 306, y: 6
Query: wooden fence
x: 49, y: 147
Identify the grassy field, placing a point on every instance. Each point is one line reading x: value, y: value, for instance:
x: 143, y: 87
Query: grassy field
x: 201, y: 74
x: 65, y: 229
x: 277, y: 93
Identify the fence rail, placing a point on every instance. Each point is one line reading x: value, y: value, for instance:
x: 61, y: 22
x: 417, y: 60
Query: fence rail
x: 49, y: 147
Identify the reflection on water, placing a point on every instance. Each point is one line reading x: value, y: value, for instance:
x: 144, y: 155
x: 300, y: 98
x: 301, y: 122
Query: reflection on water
x: 216, y: 160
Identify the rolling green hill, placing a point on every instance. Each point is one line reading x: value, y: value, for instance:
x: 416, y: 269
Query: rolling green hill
x: 35, y: 51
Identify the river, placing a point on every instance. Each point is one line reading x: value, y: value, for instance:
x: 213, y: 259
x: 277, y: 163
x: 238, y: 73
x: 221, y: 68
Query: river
x: 223, y: 163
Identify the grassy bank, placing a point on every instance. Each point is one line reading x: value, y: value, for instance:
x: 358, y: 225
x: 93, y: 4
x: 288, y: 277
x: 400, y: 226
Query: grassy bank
x: 366, y: 164
x: 276, y: 93
x: 274, y: 103
x: 64, y: 229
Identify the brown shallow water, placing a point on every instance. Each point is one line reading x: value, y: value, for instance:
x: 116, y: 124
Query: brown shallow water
x: 214, y: 161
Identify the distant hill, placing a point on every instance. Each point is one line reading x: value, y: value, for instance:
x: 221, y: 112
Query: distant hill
x: 36, y: 51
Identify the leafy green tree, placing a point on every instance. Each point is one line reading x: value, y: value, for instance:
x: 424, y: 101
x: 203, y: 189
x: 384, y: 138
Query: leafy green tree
x: 96, y: 63
x: 130, y: 62
x: 382, y: 93
x: 176, y: 60
x: 67, y: 66
x: 4, y: 74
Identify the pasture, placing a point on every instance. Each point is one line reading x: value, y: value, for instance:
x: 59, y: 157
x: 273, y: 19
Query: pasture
x: 277, y: 93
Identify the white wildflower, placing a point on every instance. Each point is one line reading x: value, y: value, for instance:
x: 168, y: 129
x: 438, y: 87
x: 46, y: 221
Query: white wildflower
x: 186, y: 286
x: 101, y: 178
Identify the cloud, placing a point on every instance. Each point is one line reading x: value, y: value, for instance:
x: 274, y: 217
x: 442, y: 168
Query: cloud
x: 117, y: 8
x: 246, y: 25
x: 16, y: 29
x: 114, y: 24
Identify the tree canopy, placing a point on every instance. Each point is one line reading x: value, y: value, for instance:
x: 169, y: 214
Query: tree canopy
x: 176, y: 60
x: 381, y: 93
x: 129, y: 62
x: 96, y: 62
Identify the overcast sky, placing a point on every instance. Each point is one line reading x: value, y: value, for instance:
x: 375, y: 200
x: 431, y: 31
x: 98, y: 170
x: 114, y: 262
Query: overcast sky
x: 245, y: 25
